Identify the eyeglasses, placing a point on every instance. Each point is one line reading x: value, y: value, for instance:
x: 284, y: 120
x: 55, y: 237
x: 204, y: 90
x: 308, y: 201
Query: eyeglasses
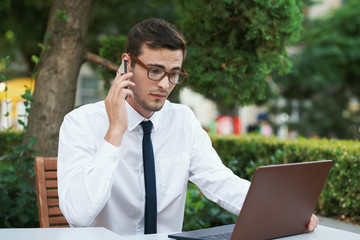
x: 157, y: 74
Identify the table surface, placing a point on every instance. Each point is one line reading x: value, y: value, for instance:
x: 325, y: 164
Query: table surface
x: 321, y: 232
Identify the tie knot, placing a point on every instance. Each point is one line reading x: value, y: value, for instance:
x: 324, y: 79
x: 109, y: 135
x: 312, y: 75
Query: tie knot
x: 147, y: 126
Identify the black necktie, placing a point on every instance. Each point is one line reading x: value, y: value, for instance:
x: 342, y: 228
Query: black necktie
x: 150, y: 180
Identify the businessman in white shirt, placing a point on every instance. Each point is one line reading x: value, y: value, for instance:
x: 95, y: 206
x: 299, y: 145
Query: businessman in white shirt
x: 100, y: 157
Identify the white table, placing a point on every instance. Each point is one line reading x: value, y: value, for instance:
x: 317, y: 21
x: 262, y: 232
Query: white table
x: 322, y: 232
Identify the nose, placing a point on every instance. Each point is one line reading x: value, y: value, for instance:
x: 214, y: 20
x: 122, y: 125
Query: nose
x: 164, y: 83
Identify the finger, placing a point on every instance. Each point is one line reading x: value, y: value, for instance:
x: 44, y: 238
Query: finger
x: 314, y: 221
x: 129, y: 93
x: 122, y: 77
x: 117, y: 89
x: 124, y: 91
x: 119, y: 85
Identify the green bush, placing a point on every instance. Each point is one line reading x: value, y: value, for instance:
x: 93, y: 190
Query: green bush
x: 8, y: 139
x: 18, y: 207
x: 242, y: 154
x: 340, y: 197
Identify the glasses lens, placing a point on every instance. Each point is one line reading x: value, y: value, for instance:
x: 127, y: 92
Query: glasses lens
x: 156, y: 74
x: 174, y: 77
x: 179, y: 79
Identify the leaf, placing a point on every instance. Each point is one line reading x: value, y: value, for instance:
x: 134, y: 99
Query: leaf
x: 35, y: 59
x: 21, y: 122
x: 42, y: 46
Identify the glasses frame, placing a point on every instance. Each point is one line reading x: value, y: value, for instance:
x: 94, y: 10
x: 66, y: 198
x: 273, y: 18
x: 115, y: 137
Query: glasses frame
x: 166, y: 73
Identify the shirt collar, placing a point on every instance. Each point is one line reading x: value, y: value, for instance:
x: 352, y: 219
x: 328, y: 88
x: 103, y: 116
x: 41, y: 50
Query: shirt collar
x: 135, y: 118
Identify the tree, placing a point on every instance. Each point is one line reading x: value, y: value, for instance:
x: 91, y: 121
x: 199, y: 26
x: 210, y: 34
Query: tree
x: 233, y: 46
x: 63, y: 53
x: 326, y: 75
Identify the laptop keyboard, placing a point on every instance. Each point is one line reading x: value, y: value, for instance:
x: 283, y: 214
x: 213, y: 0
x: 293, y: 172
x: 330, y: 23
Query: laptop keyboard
x: 221, y: 236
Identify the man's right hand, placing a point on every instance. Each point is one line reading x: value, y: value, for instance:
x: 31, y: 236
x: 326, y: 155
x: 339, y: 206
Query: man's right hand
x: 116, y: 109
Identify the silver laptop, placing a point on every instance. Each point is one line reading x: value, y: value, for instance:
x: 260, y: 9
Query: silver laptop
x: 279, y: 203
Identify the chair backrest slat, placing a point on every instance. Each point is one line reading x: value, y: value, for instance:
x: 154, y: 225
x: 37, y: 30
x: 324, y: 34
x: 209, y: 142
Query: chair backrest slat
x: 47, y: 195
x: 57, y: 221
x: 54, y: 212
x: 52, y: 193
x: 50, y: 175
x: 51, y: 184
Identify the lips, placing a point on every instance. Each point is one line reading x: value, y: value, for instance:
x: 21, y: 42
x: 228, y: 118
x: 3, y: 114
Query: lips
x: 159, y: 95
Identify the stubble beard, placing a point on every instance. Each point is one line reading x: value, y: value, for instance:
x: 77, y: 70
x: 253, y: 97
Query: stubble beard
x: 153, y: 108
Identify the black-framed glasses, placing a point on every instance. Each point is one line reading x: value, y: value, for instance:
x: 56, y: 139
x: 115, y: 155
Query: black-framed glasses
x: 157, y: 74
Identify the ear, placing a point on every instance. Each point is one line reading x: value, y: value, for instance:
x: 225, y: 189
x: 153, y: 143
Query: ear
x: 126, y: 56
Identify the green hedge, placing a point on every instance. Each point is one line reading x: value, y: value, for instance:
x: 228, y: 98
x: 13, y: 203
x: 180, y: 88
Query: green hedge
x: 18, y: 206
x: 8, y: 140
x: 340, y: 198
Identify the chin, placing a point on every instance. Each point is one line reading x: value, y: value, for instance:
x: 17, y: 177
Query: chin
x: 157, y: 108
x: 153, y: 107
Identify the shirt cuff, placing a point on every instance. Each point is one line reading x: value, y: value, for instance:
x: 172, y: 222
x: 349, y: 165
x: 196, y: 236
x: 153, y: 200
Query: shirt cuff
x: 108, y: 155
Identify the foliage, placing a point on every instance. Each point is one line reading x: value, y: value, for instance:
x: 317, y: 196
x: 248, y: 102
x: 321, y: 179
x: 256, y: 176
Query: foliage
x: 23, y: 24
x: 202, y: 213
x: 112, y: 48
x: 18, y: 194
x: 340, y: 198
x: 326, y: 74
x: 9, y: 140
x: 233, y: 46
x: 116, y: 17
x: 17, y: 171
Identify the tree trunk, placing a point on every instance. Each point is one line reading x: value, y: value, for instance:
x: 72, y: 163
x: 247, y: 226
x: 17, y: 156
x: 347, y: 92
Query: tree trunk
x: 58, y: 70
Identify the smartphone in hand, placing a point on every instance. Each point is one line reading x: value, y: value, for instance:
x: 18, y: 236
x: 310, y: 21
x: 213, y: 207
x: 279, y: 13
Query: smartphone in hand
x: 122, y: 70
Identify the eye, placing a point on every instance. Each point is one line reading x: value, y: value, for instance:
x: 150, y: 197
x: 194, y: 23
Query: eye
x: 154, y: 71
x: 174, y: 75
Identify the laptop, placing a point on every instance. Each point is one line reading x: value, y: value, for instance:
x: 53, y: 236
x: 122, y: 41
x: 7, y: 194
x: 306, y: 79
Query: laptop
x: 280, y: 202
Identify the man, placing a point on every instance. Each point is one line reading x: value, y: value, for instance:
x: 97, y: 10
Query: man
x: 103, y: 178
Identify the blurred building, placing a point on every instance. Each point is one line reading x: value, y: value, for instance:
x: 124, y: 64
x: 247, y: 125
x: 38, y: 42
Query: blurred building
x: 89, y: 87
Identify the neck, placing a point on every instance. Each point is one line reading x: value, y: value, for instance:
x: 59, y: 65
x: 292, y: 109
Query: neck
x: 143, y: 112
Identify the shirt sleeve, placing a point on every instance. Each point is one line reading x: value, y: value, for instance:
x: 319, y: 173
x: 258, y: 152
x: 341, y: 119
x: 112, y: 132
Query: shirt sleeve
x: 217, y: 182
x: 86, y: 171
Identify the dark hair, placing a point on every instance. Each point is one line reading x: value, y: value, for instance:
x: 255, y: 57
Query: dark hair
x: 155, y: 33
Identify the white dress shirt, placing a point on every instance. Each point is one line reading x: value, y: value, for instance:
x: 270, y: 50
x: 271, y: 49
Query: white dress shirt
x: 103, y: 185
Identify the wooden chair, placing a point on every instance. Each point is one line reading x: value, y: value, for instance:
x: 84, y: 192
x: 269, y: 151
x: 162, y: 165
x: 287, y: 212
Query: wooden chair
x: 47, y: 194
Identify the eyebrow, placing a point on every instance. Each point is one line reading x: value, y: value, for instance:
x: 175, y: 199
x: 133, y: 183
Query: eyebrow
x: 162, y: 67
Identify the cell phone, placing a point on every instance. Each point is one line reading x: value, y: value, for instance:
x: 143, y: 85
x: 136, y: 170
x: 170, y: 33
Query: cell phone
x: 123, y: 69
x: 125, y: 66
